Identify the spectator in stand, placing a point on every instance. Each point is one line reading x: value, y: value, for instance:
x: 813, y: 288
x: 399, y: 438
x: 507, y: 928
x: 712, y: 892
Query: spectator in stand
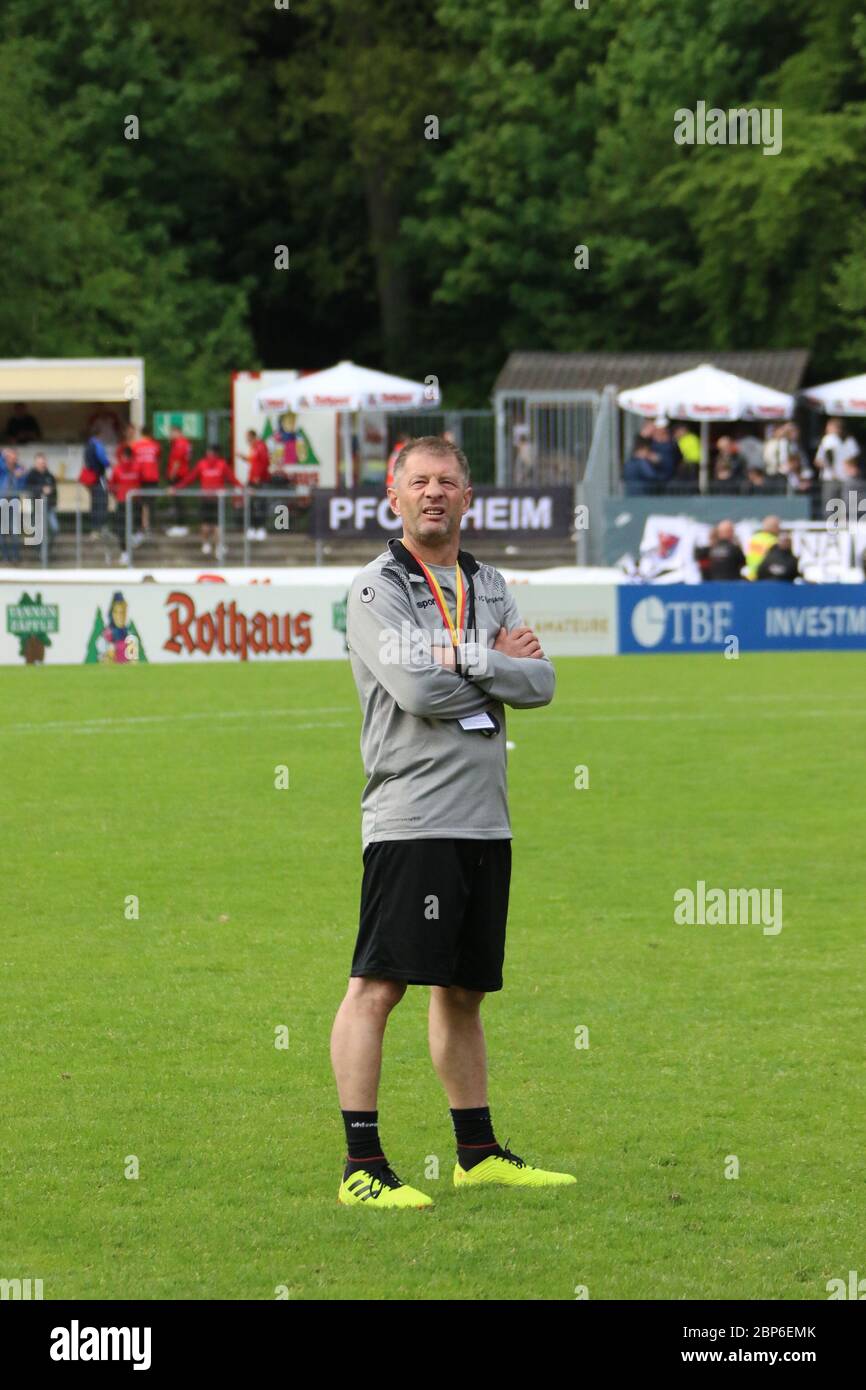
x: 730, y: 457
x: 42, y: 486
x: 726, y: 559
x: 179, y: 455
x: 750, y: 449
x: 837, y: 449
x: 213, y: 474
x: 11, y: 490
x: 801, y: 477
x: 725, y: 481
x: 640, y: 472
x: 762, y: 541
x: 179, y: 465
x: 22, y: 427
x: 702, y: 553
x: 780, y: 562
x: 796, y: 456
x: 777, y: 450
x: 690, y: 449
x: 666, y: 449
x: 147, y: 454
x: 125, y: 477
x: 524, y: 458
x: 259, y: 464
x: 94, y: 476
x: 759, y: 485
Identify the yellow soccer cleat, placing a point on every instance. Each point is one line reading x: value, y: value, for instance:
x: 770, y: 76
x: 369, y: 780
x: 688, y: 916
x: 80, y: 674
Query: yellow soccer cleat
x: 381, y: 1188
x: 507, y: 1170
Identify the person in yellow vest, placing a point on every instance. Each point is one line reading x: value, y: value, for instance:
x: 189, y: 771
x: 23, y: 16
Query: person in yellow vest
x: 690, y: 446
x: 760, y: 543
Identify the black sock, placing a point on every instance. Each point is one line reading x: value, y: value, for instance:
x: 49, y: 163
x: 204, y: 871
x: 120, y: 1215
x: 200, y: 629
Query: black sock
x: 475, y: 1138
x: 362, y: 1140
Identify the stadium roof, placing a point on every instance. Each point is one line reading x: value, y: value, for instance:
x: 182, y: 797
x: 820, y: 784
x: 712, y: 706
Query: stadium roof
x: 592, y: 371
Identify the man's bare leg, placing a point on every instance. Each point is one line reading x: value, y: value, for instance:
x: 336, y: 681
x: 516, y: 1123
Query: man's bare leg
x: 459, y: 1055
x: 356, y: 1054
x: 457, y: 1045
x: 356, y: 1039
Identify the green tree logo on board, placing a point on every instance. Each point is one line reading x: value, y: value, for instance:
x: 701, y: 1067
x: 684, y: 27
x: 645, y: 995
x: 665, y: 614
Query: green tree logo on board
x: 31, y: 621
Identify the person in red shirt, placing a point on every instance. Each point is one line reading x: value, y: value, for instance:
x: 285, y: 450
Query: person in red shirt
x: 147, y: 454
x: 179, y: 465
x: 213, y: 474
x: 259, y: 462
x: 125, y: 475
x: 179, y: 455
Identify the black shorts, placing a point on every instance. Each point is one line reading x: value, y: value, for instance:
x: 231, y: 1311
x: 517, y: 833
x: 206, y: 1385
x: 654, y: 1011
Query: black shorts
x: 209, y: 511
x: 433, y: 912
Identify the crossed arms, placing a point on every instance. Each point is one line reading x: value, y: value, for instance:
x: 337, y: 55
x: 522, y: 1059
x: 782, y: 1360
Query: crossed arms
x: 514, y: 671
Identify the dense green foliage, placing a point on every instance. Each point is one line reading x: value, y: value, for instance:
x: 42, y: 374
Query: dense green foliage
x: 308, y: 127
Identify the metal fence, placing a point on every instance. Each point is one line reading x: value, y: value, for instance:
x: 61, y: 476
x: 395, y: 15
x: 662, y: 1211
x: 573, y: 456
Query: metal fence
x: 232, y: 515
x: 544, y: 437
x: 21, y: 543
x: 93, y: 522
x: 473, y: 431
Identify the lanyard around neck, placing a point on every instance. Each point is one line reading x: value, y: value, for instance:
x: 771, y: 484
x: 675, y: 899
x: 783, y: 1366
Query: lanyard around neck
x: 456, y: 624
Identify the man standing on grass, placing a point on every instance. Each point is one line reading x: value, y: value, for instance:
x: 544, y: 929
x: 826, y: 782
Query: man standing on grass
x: 437, y: 649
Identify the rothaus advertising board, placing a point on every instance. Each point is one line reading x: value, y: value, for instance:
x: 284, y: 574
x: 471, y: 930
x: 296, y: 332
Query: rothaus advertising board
x: 123, y: 624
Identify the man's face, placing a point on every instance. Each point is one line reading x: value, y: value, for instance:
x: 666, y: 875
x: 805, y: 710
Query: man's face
x: 430, y: 496
x: 41, y: 462
x: 12, y: 456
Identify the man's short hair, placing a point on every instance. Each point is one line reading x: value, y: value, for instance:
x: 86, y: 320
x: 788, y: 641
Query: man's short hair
x: 439, y: 447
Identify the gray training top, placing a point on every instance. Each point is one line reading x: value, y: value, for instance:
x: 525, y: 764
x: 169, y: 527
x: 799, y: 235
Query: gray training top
x: 427, y: 776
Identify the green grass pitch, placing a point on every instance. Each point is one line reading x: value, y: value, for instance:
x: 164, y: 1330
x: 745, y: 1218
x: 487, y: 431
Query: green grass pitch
x: 155, y: 1037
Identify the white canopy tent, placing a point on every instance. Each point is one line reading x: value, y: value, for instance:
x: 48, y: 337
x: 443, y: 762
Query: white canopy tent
x: 844, y: 397
x: 347, y: 389
x: 706, y: 393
